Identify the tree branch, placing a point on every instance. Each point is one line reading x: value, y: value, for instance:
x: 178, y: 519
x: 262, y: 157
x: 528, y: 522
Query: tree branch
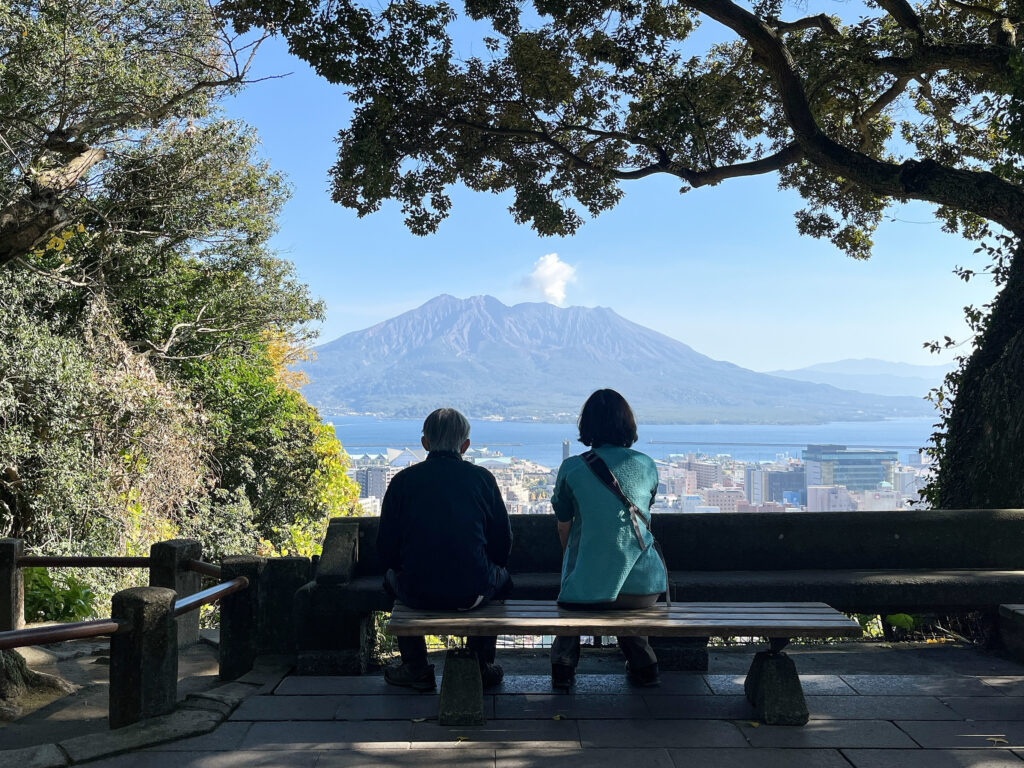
x: 788, y: 155
x: 904, y: 14
x: 969, y: 57
x: 696, y: 178
x: 21, y: 262
x: 821, y: 21
x: 862, y: 122
x: 982, y: 193
x: 543, y: 137
x: 979, y: 10
x: 31, y: 218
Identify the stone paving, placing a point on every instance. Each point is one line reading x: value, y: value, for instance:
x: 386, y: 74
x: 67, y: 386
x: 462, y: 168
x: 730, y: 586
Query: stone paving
x: 933, y: 708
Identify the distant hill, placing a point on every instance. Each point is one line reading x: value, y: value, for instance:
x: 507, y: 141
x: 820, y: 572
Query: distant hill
x: 869, y: 375
x: 538, y: 361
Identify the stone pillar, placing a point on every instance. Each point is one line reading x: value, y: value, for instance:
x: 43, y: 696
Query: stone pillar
x: 239, y: 616
x: 144, y: 661
x: 167, y: 569
x: 12, y: 585
x: 282, y: 577
x: 462, y: 694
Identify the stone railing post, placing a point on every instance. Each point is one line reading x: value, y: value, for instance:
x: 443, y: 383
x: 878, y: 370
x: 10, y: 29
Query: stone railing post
x: 144, y: 661
x: 12, y: 585
x: 282, y: 577
x: 340, y: 551
x: 330, y: 639
x: 167, y: 569
x: 239, y: 616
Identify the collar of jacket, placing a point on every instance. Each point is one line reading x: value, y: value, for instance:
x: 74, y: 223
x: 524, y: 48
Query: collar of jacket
x: 444, y: 455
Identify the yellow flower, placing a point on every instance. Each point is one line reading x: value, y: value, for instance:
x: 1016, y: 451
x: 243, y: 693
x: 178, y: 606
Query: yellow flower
x: 80, y: 228
x: 67, y: 234
x: 59, y: 246
x: 53, y: 243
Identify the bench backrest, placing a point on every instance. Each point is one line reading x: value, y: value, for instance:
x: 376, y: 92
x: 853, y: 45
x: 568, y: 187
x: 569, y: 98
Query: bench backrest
x: 934, y: 539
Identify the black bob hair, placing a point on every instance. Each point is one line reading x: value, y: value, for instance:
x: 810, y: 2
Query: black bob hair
x: 607, y: 419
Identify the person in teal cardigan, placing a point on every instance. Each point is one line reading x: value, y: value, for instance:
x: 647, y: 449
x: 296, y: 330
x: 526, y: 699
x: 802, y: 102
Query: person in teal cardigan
x: 604, y: 566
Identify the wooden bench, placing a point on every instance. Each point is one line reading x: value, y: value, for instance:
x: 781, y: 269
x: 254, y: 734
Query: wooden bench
x: 772, y: 685
x: 901, y: 561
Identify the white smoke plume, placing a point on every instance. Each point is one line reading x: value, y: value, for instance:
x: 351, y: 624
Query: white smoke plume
x: 551, y: 275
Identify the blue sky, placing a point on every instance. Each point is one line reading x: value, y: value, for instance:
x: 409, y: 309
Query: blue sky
x: 721, y: 269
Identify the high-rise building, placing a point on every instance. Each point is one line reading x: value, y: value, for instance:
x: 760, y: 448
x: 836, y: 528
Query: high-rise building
x: 374, y: 481
x: 858, y: 469
x: 565, y: 450
x: 764, y: 485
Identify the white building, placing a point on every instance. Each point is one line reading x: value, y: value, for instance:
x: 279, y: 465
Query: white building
x: 829, y: 498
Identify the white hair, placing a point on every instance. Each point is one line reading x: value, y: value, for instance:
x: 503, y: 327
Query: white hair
x: 446, y: 430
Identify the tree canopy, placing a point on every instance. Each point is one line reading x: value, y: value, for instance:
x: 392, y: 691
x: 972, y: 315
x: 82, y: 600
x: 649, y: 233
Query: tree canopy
x: 146, y: 323
x: 573, y: 99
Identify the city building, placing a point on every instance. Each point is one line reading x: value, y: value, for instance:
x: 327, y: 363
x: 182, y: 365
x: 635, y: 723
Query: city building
x: 765, y: 484
x: 374, y: 480
x: 706, y: 474
x: 689, y: 503
x: 857, y: 469
x: 726, y: 499
x: 829, y: 498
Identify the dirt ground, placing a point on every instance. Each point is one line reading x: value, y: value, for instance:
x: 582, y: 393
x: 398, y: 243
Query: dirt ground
x: 48, y: 717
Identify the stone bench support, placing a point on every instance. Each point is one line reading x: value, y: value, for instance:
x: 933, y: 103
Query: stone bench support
x: 773, y: 688
x: 462, y: 698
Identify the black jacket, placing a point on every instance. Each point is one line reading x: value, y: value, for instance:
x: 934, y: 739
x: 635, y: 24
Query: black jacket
x: 443, y: 526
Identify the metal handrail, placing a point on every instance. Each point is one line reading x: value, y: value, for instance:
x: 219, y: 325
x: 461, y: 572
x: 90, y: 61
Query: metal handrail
x: 210, y: 595
x: 28, y: 561
x: 206, y: 569
x: 20, y: 638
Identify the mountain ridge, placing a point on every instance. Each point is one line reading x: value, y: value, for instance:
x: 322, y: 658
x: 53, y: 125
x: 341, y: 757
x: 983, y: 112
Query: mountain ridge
x: 536, y: 361
x: 871, y: 375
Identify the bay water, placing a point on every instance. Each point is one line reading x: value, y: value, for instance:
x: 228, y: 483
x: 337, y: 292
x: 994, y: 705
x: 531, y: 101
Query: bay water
x: 542, y: 442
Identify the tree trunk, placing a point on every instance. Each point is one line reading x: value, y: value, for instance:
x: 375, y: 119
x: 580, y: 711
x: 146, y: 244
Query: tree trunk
x: 16, y: 679
x: 983, y: 462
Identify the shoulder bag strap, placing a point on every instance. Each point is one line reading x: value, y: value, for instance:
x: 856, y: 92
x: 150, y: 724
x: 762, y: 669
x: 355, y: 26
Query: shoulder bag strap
x: 604, y: 474
x: 599, y: 468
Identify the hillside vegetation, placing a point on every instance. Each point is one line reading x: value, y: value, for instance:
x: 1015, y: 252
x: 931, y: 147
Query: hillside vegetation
x: 146, y: 325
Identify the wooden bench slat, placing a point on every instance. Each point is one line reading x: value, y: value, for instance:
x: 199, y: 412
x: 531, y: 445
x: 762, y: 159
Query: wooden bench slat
x: 675, y: 610
x: 680, y: 620
x: 666, y: 618
x: 695, y: 629
x: 659, y: 612
x: 776, y: 607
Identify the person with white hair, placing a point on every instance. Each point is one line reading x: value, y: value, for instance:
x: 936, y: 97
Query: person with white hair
x: 444, y: 541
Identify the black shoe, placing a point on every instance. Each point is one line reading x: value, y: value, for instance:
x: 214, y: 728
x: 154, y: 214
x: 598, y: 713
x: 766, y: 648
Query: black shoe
x: 563, y: 677
x: 645, y: 677
x: 406, y: 677
x: 491, y: 674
